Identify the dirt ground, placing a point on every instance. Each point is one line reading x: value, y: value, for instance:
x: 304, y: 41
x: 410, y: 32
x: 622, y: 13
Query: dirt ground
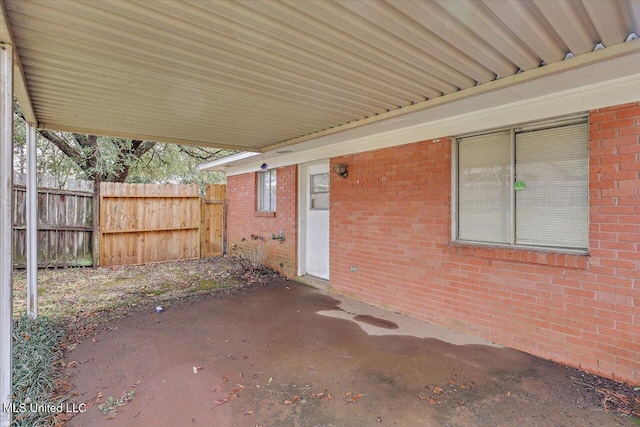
x: 290, y: 355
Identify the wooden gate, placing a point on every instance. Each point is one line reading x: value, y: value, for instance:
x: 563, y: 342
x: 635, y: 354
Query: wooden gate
x: 143, y: 223
x: 214, y: 215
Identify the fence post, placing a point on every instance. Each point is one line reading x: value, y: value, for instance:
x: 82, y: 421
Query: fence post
x: 95, y: 244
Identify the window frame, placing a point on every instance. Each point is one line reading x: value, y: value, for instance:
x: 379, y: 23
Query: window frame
x: 273, y: 180
x: 455, y: 177
x: 312, y: 193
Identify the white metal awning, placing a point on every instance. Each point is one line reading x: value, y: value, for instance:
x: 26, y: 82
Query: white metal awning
x: 256, y: 75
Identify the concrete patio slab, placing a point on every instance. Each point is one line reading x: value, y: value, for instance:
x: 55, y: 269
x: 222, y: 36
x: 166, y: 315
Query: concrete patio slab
x: 291, y: 355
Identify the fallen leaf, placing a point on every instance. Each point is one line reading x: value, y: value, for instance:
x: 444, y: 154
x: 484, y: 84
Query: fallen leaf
x: 220, y: 401
x: 434, y: 401
x: 240, y: 385
x: 216, y: 388
x: 287, y: 402
x: 356, y: 398
x: 225, y: 378
x: 270, y: 380
x: 508, y: 393
x: 248, y: 412
x: 438, y: 390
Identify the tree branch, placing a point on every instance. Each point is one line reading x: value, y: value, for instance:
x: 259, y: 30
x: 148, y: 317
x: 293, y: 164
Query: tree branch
x: 63, y: 145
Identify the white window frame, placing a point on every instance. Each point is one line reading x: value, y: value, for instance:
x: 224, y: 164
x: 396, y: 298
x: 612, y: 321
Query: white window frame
x: 313, y: 193
x: 455, y: 190
x: 271, y: 205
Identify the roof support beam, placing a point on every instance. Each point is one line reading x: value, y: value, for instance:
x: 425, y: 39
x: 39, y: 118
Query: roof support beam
x: 6, y: 231
x: 20, y: 83
x: 32, y: 223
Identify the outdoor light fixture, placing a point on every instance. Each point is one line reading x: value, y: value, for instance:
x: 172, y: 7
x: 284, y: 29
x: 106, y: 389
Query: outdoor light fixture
x: 341, y: 170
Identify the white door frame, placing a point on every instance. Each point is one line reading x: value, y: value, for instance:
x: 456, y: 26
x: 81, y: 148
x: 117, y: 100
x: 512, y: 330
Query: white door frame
x: 303, y: 200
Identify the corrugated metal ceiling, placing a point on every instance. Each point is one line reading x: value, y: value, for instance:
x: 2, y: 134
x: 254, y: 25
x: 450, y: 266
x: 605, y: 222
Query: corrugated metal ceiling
x: 250, y: 74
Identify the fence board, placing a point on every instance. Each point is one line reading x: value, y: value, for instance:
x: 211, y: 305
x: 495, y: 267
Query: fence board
x: 213, y: 238
x: 65, y: 217
x: 148, y: 223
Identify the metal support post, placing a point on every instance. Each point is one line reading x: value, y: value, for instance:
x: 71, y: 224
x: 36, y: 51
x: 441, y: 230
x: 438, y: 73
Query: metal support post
x: 32, y: 223
x: 6, y: 231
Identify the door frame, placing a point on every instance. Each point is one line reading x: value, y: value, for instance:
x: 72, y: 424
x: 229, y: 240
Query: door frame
x: 303, y: 200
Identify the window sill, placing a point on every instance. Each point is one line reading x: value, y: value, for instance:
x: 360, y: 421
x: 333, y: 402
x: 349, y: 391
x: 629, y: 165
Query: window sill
x: 267, y: 214
x: 550, y: 257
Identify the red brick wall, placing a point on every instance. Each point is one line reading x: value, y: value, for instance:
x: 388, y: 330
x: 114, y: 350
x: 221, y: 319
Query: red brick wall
x: 391, y: 219
x: 243, y: 220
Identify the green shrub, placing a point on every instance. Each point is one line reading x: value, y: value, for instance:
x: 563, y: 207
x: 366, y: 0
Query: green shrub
x: 36, y: 353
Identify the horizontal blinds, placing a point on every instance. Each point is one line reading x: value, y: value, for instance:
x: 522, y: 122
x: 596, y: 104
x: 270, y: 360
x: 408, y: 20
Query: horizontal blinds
x: 552, y: 209
x: 484, y: 189
x: 267, y: 191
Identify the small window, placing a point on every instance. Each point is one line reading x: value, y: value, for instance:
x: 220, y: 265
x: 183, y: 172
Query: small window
x: 320, y: 191
x: 525, y: 186
x: 267, y: 191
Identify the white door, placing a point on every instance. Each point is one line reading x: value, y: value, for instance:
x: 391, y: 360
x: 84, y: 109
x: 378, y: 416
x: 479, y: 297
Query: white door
x: 317, y: 221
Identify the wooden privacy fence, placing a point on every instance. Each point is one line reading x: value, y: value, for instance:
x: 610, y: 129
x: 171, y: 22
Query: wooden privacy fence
x: 144, y: 223
x: 213, y: 239
x: 65, y: 222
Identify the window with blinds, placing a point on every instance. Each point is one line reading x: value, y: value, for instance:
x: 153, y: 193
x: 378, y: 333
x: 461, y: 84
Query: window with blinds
x: 267, y: 191
x: 525, y: 186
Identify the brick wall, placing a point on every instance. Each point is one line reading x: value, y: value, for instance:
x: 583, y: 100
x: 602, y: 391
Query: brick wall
x: 243, y: 220
x: 391, y: 219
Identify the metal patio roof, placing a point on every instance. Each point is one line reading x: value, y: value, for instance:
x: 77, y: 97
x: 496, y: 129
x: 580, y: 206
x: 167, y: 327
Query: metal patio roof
x: 256, y: 75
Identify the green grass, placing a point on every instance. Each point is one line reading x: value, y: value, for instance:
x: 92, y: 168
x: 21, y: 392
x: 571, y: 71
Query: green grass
x: 36, y: 353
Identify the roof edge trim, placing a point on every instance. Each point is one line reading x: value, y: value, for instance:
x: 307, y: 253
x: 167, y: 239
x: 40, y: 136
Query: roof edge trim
x: 221, y: 164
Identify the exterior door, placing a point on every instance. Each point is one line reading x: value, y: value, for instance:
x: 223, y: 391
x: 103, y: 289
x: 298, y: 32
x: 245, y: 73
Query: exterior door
x: 317, y: 221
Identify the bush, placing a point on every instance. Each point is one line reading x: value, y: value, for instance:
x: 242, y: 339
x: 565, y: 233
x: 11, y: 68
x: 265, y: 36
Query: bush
x: 36, y: 353
x: 252, y: 252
